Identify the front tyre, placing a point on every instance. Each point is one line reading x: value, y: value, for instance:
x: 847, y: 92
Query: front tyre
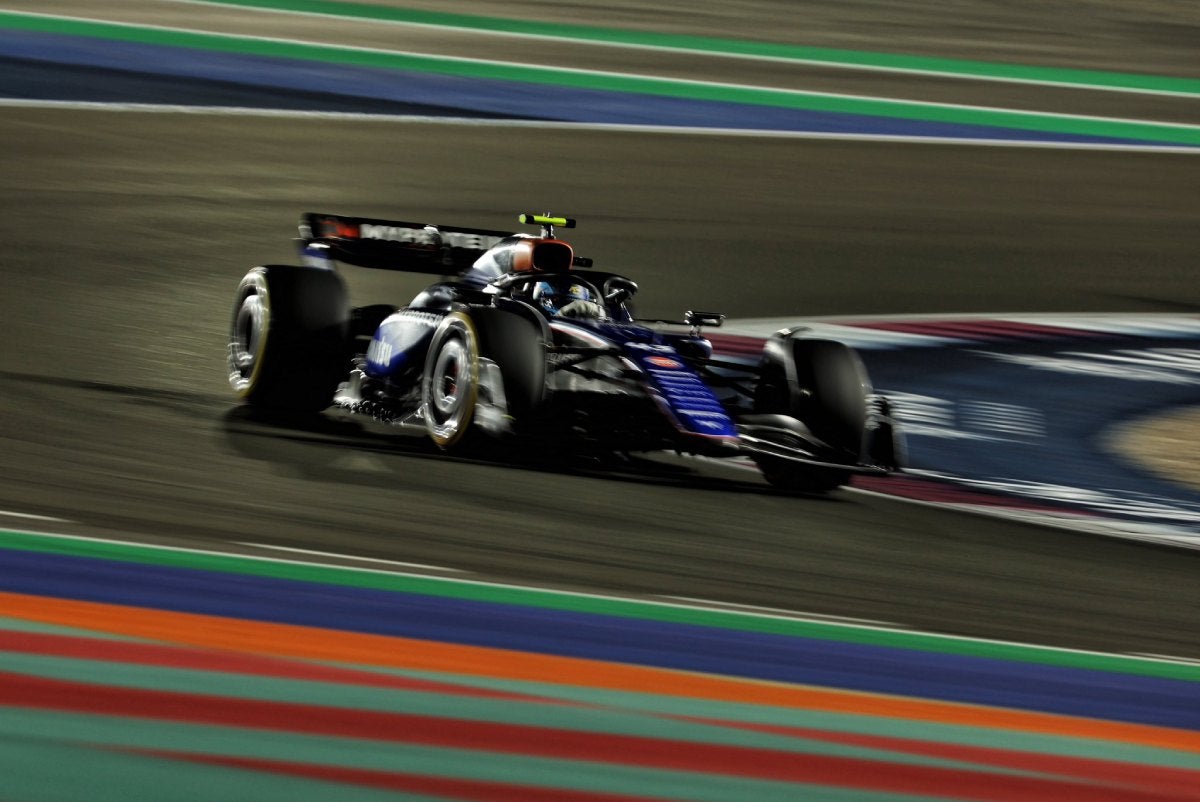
x: 287, y: 338
x: 485, y: 373
x: 823, y: 385
x: 450, y: 384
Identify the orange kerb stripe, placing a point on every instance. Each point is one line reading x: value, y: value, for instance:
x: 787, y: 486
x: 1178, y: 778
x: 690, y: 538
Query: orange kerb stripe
x: 312, y: 643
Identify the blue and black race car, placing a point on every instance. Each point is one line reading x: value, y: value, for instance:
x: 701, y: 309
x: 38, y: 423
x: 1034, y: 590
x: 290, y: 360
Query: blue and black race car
x: 522, y: 340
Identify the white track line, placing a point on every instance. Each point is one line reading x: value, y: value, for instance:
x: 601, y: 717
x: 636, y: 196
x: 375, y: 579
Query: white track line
x: 1190, y: 661
x: 354, y: 557
x: 31, y: 517
x: 776, y: 612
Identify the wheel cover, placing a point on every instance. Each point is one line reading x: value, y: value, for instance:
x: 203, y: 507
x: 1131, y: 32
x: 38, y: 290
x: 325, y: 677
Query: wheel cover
x: 247, y: 339
x: 448, y: 391
x: 451, y: 385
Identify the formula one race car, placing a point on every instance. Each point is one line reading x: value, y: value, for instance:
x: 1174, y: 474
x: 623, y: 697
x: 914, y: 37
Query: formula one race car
x: 520, y: 341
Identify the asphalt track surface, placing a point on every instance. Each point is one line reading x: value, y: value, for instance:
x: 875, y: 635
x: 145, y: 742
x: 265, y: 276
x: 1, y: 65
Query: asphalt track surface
x: 125, y: 234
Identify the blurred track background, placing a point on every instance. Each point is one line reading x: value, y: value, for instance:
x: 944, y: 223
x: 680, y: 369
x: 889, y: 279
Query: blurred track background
x: 126, y: 231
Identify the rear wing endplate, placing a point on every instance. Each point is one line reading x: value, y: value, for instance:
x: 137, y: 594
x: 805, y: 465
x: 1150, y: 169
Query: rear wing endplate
x: 393, y: 244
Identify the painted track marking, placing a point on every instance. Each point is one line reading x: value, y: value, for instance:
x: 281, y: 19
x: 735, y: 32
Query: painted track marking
x: 713, y: 613
x: 31, y: 517
x: 1024, y: 124
x: 356, y: 558
x: 752, y: 51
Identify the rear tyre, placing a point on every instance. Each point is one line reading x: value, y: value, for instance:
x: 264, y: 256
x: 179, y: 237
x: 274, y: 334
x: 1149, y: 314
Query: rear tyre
x: 287, y: 338
x: 824, y: 385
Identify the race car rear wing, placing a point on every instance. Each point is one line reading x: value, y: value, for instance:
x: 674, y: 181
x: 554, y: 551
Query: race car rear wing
x: 393, y: 244
x: 398, y: 245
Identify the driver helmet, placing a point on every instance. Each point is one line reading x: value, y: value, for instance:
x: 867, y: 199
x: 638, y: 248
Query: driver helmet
x: 566, y: 300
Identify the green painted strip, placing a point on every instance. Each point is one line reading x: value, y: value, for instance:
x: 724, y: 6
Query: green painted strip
x: 607, y: 721
x: 528, y: 597
x: 43, y: 765
x: 1165, y: 133
x: 703, y: 44
x: 37, y: 732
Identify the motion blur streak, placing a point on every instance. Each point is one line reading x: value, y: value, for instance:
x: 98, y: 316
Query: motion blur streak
x: 155, y: 678
x: 126, y: 677
x: 579, y: 95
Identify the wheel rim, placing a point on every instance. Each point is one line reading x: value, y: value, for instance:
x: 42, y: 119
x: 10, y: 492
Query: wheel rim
x: 450, y: 391
x: 246, y: 339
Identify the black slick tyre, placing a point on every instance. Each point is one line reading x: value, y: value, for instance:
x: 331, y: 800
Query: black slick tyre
x: 287, y: 338
x: 824, y: 385
x: 452, y: 389
x: 834, y: 387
